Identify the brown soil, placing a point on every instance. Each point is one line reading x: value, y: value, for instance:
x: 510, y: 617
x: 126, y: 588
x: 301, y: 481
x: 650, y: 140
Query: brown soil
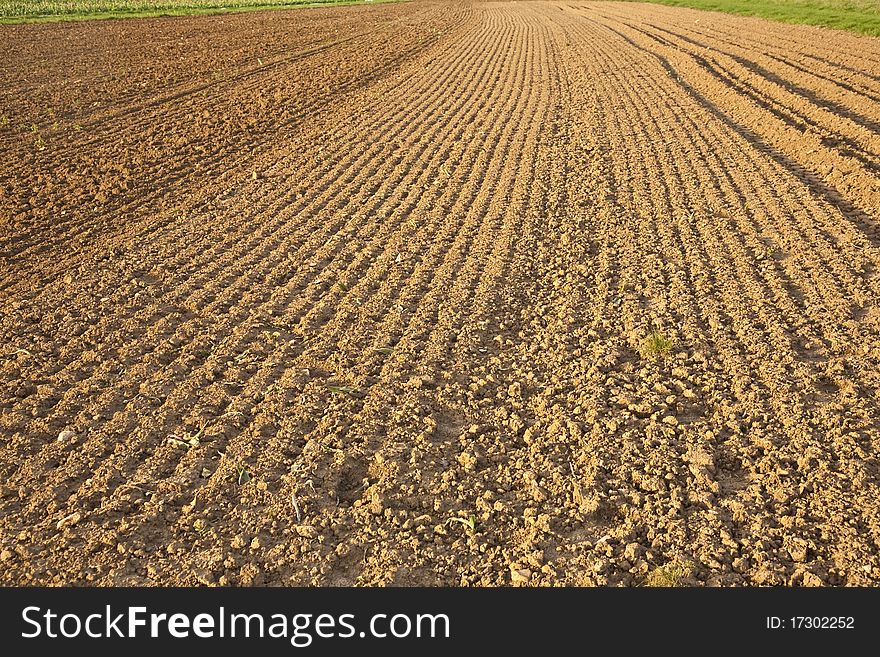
x: 285, y: 294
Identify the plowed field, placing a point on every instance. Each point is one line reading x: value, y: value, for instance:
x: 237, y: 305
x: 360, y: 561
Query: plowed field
x: 440, y: 293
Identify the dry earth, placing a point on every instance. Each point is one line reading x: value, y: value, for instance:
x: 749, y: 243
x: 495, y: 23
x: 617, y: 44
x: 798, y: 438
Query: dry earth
x: 284, y: 293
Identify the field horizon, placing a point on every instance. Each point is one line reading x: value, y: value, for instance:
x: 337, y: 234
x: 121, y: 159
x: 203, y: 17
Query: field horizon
x: 860, y: 16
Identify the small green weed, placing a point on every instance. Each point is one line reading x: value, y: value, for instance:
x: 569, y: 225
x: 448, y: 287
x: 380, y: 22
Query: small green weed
x: 470, y: 523
x: 669, y: 576
x: 656, y: 345
x: 187, y: 440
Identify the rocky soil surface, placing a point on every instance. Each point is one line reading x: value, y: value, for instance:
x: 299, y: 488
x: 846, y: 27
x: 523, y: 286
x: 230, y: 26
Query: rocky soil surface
x: 444, y: 293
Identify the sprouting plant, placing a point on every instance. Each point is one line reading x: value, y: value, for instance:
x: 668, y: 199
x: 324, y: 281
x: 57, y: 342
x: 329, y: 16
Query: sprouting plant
x: 187, y: 440
x: 668, y: 576
x: 243, y: 474
x: 656, y: 344
x: 470, y: 523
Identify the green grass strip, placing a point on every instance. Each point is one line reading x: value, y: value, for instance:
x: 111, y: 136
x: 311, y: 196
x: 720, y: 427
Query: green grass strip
x: 49, y: 11
x: 861, y: 16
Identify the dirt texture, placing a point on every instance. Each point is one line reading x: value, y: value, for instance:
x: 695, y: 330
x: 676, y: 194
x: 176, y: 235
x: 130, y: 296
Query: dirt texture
x: 445, y: 293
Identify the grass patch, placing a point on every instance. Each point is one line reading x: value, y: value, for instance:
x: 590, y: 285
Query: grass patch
x: 46, y: 11
x: 862, y: 16
x: 668, y: 576
x: 656, y: 345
